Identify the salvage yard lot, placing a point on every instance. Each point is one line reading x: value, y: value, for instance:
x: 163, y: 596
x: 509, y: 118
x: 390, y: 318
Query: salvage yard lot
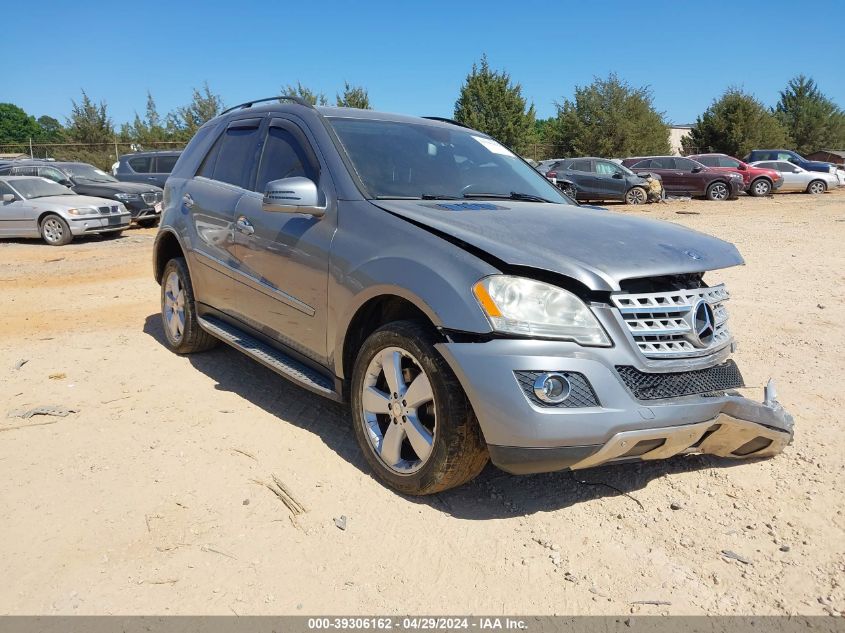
x: 157, y: 496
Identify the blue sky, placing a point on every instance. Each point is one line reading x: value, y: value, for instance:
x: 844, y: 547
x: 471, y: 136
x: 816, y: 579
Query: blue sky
x: 412, y: 57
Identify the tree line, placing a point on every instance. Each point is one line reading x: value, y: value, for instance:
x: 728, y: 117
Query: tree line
x: 608, y: 117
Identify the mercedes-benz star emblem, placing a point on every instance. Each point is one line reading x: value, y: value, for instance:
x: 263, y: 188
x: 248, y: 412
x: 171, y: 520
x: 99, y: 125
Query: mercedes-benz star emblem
x: 692, y: 254
x: 703, y: 325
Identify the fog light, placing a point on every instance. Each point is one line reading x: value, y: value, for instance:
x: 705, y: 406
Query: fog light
x: 552, y: 388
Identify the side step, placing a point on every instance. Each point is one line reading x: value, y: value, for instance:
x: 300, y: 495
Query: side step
x: 268, y: 356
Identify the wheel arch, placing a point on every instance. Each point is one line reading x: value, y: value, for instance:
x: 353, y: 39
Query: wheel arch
x: 167, y: 246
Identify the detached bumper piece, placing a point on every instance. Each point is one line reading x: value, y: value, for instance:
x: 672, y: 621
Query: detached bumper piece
x: 743, y: 429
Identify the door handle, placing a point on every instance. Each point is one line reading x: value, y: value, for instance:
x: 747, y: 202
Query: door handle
x: 244, y: 226
x: 187, y: 200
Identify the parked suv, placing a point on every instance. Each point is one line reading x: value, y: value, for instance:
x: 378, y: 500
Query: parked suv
x: 795, y: 158
x: 147, y: 167
x: 461, y: 304
x: 758, y: 181
x: 142, y: 201
x: 602, y: 179
x: 683, y: 176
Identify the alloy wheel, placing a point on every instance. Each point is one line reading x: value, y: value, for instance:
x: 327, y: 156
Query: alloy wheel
x: 718, y: 192
x: 53, y: 230
x: 636, y: 196
x: 174, y: 306
x: 399, y: 414
x: 817, y: 187
x: 761, y: 188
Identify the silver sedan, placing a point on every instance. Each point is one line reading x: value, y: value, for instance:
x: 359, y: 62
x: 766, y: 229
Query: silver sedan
x: 38, y: 207
x: 797, y: 178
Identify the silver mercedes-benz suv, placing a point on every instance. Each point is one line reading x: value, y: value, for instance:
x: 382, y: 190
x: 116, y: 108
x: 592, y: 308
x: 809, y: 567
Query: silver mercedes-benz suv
x: 463, y: 306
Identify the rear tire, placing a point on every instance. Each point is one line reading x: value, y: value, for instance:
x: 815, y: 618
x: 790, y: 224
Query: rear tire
x: 179, y: 313
x: 717, y: 191
x: 636, y: 195
x: 55, y: 231
x: 426, y: 439
x: 760, y: 187
x: 816, y: 187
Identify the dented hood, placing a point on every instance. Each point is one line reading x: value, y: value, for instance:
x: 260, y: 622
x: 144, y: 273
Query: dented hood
x: 596, y: 248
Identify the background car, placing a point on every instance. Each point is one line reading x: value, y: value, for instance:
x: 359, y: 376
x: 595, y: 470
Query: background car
x: 684, y: 176
x: 788, y: 155
x: 142, y: 201
x: 797, y: 178
x: 758, y: 182
x: 147, y: 167
x: 601, y: 179
x: 36, y: 207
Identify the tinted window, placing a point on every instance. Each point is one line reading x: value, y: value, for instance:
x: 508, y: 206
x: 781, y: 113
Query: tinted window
x: 25, y: 171
x: 685, y: 163
x: 607, y: 169
x: 237, y: 153
x: 581, y: 165
x: 643, y: 164
x: 664, y: 162
x: 140, y: 164
x: 784, y: 166
x: 283, y: 157
x: 5, y: 189
x: 52, y: 173
x: 165, y: 164
x: 725, y: 161
x: 206, y: 169
x: 708, y: 161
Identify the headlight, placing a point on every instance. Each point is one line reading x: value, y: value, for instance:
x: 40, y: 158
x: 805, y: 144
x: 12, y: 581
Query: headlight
x: 127, y: 196
x: 83, y: 211
x: 531, y: 308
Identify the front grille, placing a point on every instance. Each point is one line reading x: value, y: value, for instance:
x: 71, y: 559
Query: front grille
x: 645, y: 386
x: 663, y: 324
x: 107, y: 210
x: 152, y: 197
x: 581, y: 394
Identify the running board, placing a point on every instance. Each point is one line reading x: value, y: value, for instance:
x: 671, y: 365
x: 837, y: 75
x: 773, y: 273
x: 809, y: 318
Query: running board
x: 294, y: 370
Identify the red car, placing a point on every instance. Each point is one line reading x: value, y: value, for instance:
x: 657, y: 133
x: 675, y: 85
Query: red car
x: 758, y: 181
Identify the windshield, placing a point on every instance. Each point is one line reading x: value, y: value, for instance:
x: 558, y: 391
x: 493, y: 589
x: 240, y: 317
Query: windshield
x: 419, y: 161
x: 31, y: 188
x: 83, y: 171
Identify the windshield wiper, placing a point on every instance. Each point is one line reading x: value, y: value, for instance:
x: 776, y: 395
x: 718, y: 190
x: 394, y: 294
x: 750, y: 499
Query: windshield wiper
x: 425, y: 196
x: 513, y: 195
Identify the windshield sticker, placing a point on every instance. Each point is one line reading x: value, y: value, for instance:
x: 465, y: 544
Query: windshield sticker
x: 493, y: 146
x: 467, y: 206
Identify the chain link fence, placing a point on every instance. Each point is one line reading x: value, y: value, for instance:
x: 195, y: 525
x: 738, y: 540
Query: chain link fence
x: 102, y: 155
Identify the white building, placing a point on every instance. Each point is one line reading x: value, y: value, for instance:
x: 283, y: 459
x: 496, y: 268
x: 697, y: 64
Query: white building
x: 676, y: 133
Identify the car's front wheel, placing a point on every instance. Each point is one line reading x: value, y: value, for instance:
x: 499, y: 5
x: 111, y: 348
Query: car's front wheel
x: 760, y: 187
x: 817, y: 187
x: 411, y: 416
x: 179, y: 311
x: 636, y: 195
x: 55, y: 231
x: 717, y: 191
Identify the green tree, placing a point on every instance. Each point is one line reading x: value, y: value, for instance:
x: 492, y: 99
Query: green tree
x: 734, y: 124
x: 16, y: 126
x: 89, y: 122
x: 149, y: 130
x: 354, y: 97
x: 610, y: 118
x: 204, y: 106
x: 50, y: 130
x: 489, y: 102
x: 812, y: 119
x: 314, y: 98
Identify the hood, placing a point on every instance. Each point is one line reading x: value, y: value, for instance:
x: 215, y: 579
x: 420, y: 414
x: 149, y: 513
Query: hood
x: 69, y: 202
x: 817, y: 165
x: 111, y: 188
x: 597, y: 249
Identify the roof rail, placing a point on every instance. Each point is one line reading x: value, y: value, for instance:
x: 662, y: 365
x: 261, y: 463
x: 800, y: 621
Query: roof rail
x: 445, y: 120
x: 249, y: 104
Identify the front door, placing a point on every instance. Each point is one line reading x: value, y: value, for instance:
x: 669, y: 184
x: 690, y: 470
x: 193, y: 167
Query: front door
x: 610, y: 180
x: 283, y: 258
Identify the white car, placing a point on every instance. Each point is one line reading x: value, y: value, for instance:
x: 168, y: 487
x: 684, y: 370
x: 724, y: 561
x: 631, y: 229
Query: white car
x: 797, y: 178
x: 31, y: 206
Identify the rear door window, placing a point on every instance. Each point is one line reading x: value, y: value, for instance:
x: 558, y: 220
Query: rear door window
x: 52, y: 173
x: 664, y: 162
x: 708, y: 161
x: 643, y: 164
x: 25, y: 171
x: 725, y: 161
x: 165, y: 164
x: 236, y: 158
x: 685, y: 164
x: 140, y: 164
x: 581, y: 165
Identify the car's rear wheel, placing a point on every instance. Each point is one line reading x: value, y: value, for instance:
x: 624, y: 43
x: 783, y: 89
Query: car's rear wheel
x: 179, y: 311
x: 717, y: 191
x: 411, y: 416
x: 636, y: 195
x: 817, y: 187
x: 569, y: 189
x: 760, y: 187
x: 55, y: 231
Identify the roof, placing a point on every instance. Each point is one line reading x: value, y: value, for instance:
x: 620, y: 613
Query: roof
x: 153, y: 152
x: 835, y: 152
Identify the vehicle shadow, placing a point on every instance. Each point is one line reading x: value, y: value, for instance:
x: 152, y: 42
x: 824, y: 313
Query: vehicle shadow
x: 492, y: 495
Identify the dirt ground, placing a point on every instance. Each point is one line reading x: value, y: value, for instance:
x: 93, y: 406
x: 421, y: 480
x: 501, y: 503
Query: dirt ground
x: 151, y: 498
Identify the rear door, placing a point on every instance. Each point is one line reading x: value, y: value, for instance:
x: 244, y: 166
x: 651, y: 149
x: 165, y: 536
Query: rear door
x: 665, y: 166
x: 580, y: 171
x: 212, y: 196
x: 690, y: 181
x: 140, y: 168
x: 283, y: 258
x: 162, y: 166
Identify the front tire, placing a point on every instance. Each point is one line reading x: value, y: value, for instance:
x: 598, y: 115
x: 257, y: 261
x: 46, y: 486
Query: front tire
x: 717, y: 191
x: 55, y: 231
x: 179, y: 311
x: 760, y: 187
x: 816, y: 187
x: 411, y: 416
x: 636, y: 195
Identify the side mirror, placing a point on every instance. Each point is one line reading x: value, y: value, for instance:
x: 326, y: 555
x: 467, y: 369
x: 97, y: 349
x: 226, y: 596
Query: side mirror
x: 796, y: 170
x: 742, y: 167
x: 696, y: 169
x: 8, y: 197
x: 293, y: 195
x: 66, y: 183
x: 617, y: 174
